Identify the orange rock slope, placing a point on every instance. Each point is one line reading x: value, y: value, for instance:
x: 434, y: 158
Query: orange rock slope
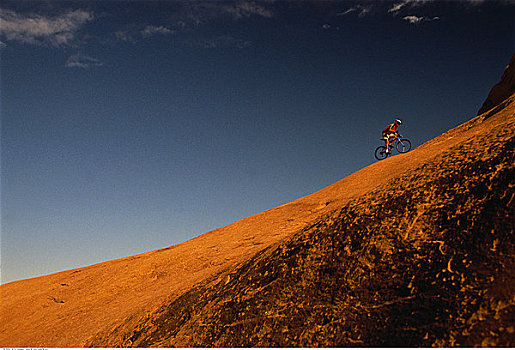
x: 68, y: 308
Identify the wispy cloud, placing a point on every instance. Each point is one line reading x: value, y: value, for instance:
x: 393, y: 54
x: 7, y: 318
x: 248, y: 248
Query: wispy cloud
x: 246, y: 9
x: 190, y: 17
x: 134, y: 35
x: 42, y: 30
x: 156, y: 30
x: 82, y: 61
x: 399, y: 6
x: 203, y: 12
x: 123, y: 35
x: 407, y: 7
x: 415, y: 19
x: 407, y: 10
x: 360, y: 10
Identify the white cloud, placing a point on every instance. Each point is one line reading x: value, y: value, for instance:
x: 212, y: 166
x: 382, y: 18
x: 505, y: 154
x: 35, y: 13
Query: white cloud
x: 415, y: 19
x: 359, y: 9
x: 124, y: 36
x: 82, y: 61
x: 156, y: 30
x: 42, y: 30
x: 203, y: 12
x: 188, y: 15
x: 246, y: 9
x: 407, y: 4
x: 400, y: 5
x: 135, y: 35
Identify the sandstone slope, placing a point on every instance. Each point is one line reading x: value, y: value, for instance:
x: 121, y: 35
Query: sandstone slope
x: 217, y: 284
x: 426, y: 258
x: 63, y: 309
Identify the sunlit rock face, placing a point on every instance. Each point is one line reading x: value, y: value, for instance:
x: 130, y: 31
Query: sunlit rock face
x: 423, y: 259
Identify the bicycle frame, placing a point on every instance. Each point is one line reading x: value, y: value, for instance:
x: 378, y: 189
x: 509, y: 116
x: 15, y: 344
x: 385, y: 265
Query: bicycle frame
x: 393, y: 143
x: 402, y: 145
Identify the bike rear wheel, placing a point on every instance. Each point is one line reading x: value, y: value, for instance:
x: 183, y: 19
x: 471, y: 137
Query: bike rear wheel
x: 404, y: 145
x: 380, y: 153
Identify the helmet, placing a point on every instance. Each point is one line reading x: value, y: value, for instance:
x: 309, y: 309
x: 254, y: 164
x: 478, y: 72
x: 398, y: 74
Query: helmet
x: 398, y: 121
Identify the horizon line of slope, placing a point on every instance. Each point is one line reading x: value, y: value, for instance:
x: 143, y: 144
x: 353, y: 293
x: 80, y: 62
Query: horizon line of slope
x: 96, y: 296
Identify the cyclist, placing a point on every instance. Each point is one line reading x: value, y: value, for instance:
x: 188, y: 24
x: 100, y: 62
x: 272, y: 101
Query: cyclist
x: 390, y: 132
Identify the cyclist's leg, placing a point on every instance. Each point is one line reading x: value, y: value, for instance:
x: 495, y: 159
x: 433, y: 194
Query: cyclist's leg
x: 391, y: 138
x: 387, y: 141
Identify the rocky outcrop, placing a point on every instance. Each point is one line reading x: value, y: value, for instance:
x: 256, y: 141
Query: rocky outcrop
x: 502, y: 90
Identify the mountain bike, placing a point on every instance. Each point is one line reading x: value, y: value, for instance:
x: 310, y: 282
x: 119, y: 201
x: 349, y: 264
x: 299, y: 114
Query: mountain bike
x: 402, y: 146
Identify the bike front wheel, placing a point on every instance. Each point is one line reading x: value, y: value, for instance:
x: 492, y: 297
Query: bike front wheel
x: 380, y: 153
x: 404, y: 145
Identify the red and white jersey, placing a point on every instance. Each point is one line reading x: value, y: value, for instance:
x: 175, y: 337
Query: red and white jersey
x: 390, y: 129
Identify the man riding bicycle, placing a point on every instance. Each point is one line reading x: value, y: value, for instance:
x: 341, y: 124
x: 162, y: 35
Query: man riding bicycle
x: 390, y: 132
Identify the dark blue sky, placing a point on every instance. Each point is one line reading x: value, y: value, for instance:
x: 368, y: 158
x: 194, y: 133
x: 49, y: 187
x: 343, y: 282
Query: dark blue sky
x: 130, y: 126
